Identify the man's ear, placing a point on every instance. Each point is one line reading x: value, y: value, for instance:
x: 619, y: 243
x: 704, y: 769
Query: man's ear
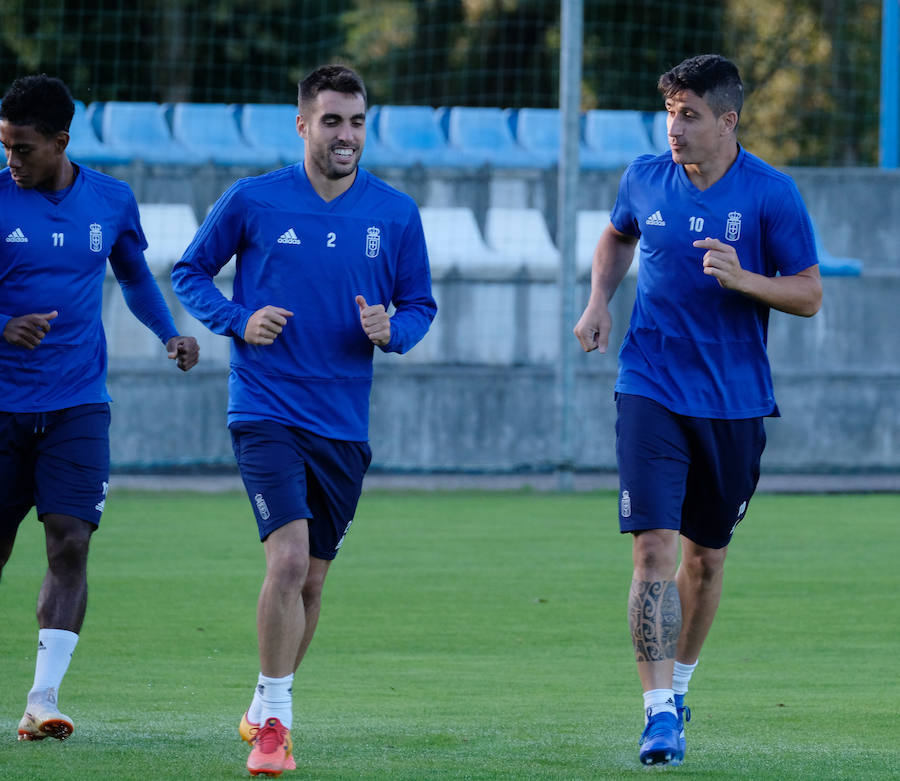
x: 728, y: 122
x: 61, y: 140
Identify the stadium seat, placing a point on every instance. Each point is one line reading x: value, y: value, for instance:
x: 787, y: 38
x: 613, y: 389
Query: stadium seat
x: 454, y: 241
x: 588, y: 227
x: 589, y: 224
x: 538, y: 130
x: 484, y: 134
x: 140, y: 130
x: 375, y: 153
x: 272, y: 128
x: 84, y: 145
x: 522, y: 236
x: 414, y: 135
x: 210, y: 131
x: 169, y: 228
x: 660, y: 132
x: 833, y: 266
x: 612, y: 139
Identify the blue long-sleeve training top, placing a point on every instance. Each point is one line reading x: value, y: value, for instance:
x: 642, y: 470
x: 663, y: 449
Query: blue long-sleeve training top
x: 53, y: 252
x: 311, y: 257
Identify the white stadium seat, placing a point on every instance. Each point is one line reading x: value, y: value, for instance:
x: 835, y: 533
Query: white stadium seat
x: 169, y: 228
x: 521, y: 235
x: 589, y: 224
x: 455, y: 241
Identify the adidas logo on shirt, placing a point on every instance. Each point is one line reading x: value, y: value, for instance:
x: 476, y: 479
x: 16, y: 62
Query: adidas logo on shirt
x: 17, y: 236
x: 288, y: 237
x: 656, y: 219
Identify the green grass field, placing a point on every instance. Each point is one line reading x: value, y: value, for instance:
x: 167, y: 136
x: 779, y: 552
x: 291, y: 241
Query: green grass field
x: 466, y: 636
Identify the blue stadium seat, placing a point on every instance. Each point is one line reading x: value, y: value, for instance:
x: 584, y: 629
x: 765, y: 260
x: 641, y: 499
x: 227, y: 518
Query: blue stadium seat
x: 375, y: 153
x: 833, y: 266
x: 84, y: 145
x: 484, y: 134
x: 140, y: 130
x: 272, y: 127
x: 659, y: 133
x: 613, y: 139
x: 538, y: 130
x: 414, y: 135
x: 210, y: 131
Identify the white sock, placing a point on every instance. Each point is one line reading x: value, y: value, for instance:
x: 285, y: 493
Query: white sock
x: 55, y: 649
x: 682, y: 676
x: 254, y: 712
x: 659, y: 701
x: 275, y: 699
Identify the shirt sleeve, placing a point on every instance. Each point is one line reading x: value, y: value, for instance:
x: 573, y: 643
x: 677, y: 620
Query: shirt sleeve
x: 790, y: 240
x: 142, y: 295
x: 219, y: 238
x: 622, y: 215
x: 413, y: 302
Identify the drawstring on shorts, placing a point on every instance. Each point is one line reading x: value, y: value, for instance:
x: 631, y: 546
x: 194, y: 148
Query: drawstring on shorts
x: 40, y: 422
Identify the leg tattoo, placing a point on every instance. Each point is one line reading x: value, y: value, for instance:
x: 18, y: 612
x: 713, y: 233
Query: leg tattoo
x: 654, y: 615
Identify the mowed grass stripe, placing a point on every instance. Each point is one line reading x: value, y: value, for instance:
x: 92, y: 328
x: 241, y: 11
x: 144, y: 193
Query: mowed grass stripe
x: 469, y: 636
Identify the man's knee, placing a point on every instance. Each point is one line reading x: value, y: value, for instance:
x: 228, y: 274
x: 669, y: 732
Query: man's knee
x: 10, y: 520
x: 704, y: 565
x: 6, y: 546
x: 68, y: 541
x: 288, y: 566
x: 315, y: 580
x: 656, y: 550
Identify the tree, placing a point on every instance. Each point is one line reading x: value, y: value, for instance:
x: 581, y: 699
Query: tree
x: 811, y: 67
x: 474, y: 53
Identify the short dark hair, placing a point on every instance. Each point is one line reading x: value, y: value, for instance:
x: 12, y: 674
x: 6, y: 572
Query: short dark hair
x: 43, y: 102
x: 712, y: 77
x: 339, y: 78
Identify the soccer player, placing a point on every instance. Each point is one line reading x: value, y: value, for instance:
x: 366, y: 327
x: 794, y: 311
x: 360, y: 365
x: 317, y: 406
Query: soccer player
x: 59, y: 222
x: 724, y: 238
x: 323, y: 248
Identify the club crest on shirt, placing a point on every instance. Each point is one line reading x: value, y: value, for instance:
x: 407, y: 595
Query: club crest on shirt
x: 733, y: 226
x: 373, y: 242
x: 96, y: 236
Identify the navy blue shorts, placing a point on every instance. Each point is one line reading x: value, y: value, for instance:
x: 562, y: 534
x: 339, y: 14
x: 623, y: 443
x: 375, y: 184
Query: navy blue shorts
x: 694, y: 475
x: 291, y: 473
x: 57, y: 462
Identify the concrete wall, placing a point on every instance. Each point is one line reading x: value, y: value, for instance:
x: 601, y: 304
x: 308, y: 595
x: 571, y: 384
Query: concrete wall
x: 476, y: 395
x: 479, y: 392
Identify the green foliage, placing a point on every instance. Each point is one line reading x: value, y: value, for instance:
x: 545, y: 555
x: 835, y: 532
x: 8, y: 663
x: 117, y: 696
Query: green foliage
x: 457, y: 53
x: 178, y: 50
x: 811, y: 66
x: 811, y: 71
x: 464, y: 636
x: 628, y: 45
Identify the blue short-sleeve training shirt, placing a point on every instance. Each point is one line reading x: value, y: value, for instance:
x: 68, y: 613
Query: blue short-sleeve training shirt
x: 692, y: 345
